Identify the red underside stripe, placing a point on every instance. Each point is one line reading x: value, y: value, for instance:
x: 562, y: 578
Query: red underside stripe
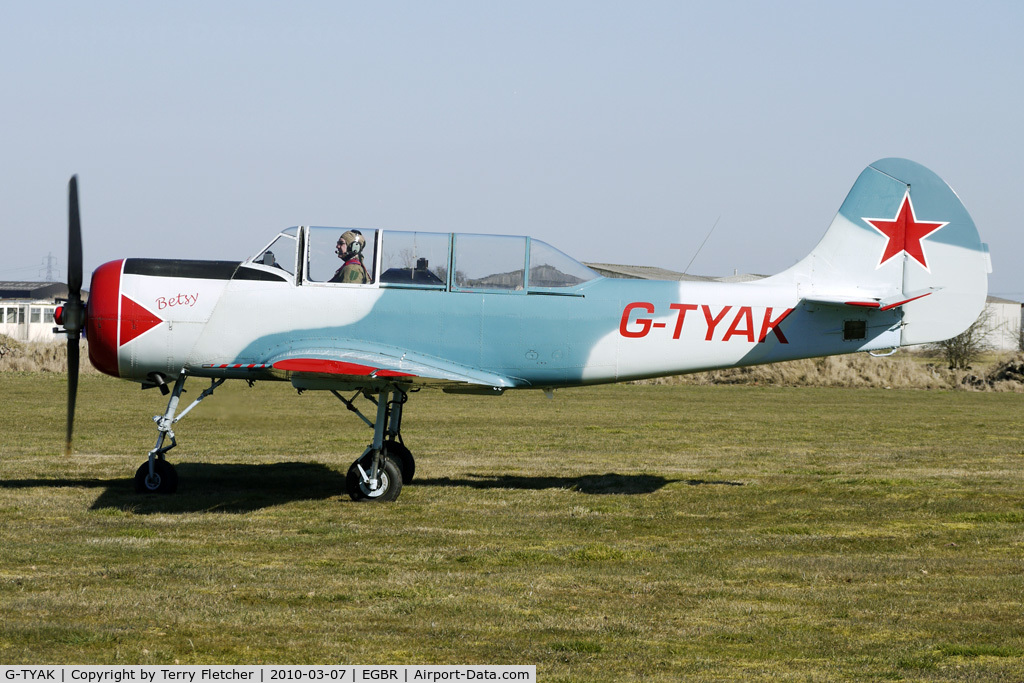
x: 330, y: 367
x: 335, y: 367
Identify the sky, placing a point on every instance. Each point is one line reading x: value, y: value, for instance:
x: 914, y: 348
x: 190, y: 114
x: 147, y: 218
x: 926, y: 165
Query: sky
x: 617, y: 132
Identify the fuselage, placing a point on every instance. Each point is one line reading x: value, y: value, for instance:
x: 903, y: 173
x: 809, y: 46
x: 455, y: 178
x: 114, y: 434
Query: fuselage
x: 537, y: 327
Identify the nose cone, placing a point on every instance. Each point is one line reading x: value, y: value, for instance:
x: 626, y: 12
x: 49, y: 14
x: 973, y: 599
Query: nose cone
x: 102, y: 317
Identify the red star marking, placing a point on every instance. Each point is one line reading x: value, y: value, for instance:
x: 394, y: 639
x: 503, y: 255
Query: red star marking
x: 905, y: 233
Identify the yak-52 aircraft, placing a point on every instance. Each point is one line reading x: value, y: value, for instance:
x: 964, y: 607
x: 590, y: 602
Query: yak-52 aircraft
x: 901, y: 264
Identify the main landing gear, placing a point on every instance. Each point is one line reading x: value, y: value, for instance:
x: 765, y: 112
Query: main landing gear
x: 386, y: 464
x: 156, y: 475
x: 377, y: 475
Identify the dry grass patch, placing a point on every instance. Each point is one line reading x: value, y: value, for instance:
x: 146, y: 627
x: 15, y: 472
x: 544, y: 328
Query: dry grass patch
x: 16, y: 356
x: 908, y: 370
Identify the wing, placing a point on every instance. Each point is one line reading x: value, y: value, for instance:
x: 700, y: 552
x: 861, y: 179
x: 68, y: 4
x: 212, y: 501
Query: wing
x: 355, y: 368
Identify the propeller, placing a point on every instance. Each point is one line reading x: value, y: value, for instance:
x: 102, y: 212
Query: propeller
x: 72, y: 314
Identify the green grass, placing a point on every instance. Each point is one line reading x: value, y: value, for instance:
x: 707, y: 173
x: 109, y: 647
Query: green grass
x: 615, y: 533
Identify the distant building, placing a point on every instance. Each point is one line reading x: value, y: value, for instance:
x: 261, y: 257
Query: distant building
x: 26, y: 309
x: 1003, y: 323
x: 1004, y: 315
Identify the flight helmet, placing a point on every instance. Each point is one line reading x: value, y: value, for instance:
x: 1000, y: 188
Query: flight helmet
x: 350, y: 244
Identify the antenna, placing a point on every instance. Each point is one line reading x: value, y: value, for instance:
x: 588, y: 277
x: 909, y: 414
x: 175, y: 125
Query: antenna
x: 685, y: 270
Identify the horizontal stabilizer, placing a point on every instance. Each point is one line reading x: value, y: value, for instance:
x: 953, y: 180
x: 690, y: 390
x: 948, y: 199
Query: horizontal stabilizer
x: 882, y: 304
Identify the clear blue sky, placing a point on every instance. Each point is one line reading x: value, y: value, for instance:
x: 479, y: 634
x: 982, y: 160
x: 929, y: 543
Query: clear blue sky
x: 618, y: 132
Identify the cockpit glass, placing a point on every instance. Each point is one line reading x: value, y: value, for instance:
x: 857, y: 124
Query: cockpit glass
x: 414, y: 258
x: 551, y: 268
x: 280, y: 254
x: 490, y: 262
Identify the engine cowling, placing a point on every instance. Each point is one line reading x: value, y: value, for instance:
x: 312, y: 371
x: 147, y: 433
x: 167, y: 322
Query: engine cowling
x: 102, y: 317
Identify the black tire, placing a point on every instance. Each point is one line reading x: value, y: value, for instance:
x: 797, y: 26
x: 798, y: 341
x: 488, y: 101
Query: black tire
x: 402, y: 455
x: 165, y: 479
x: 389, y: 475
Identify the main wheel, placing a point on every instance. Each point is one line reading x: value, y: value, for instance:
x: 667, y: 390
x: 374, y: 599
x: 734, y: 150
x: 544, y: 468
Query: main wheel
x: 389, y: 480
x: 397, y: 450
x: 164, y: 479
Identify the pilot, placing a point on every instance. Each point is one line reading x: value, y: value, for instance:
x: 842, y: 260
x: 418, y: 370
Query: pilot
x: 350, y: 251
x: 270, y: 260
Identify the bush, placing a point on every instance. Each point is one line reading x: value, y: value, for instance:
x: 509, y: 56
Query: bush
x: 969, y: 345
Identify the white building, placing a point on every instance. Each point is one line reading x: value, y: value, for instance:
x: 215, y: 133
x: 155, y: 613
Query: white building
x: 1003, y: 323
x: 26, y: 309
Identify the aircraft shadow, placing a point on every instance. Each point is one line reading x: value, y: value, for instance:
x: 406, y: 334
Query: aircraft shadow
x: 238, y: 488
x: 596, y: 484
x: 57, y: 483
x: 230, y: 488
x: 211, y: 488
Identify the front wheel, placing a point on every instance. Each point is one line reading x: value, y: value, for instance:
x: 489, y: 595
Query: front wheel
x: 388, y: 482
x: 164, y: 479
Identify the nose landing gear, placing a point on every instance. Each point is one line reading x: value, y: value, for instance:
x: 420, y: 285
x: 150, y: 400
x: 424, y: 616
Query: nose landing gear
x: 163, y: 478
x: 156, y: 475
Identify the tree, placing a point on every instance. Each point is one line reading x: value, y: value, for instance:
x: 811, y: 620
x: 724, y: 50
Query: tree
x: 966, y: 347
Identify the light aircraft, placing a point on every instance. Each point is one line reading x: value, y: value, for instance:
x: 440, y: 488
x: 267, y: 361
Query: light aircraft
x: 901, y: 264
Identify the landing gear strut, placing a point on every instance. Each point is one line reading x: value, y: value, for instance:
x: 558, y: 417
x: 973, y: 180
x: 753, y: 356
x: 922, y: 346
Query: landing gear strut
x: 156, y: 475
x: 386, y: 464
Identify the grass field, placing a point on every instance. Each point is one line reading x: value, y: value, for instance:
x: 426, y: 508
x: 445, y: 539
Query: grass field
x: 615, y: 533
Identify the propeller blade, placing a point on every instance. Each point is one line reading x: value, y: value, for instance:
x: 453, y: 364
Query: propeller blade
x: 73, y: 354
x: 74, y: 242
x: 74, y: 311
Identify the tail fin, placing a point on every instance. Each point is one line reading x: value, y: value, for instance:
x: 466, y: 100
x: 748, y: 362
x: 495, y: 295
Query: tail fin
x: 902, y: 239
